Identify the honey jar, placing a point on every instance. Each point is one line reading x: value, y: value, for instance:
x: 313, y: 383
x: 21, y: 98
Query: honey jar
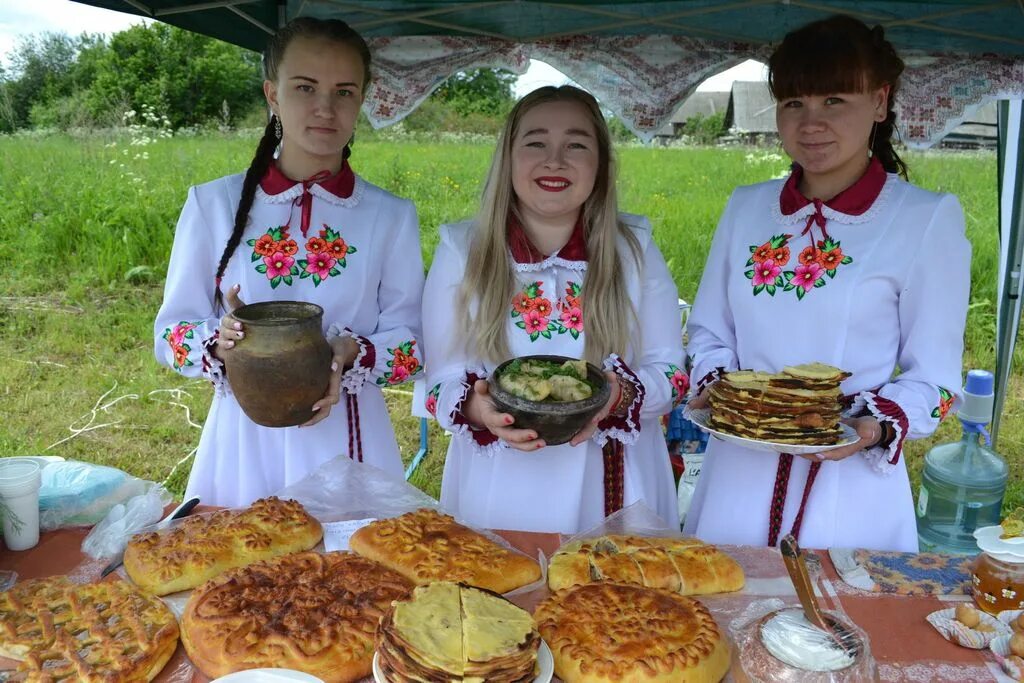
x: 997, y: 574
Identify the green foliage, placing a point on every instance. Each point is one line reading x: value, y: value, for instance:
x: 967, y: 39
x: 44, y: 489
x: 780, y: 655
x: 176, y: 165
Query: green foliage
x: 187, y: 76
x: 481, y: 91
x: 619, y: 132
x: 704, y: 130
x: 59, y: 81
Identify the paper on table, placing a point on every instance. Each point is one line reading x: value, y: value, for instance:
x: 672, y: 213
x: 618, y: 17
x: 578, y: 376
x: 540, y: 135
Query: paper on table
x: 336, y: 534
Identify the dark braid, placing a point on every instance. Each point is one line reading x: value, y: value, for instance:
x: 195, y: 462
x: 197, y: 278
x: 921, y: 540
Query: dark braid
x: 302, y: 27
x: 257, y: 169
x: 836, y: 55
x: 888, y: 66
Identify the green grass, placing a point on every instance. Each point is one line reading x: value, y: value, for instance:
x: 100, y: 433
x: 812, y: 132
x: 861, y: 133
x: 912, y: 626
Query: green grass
x: 78, y: 215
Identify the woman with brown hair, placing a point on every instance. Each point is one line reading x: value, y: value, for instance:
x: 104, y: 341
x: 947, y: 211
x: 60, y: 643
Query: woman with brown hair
x: 298, y: 225
x: 843, y: 263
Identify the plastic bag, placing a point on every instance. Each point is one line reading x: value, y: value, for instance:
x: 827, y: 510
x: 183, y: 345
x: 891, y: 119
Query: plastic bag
x: 77, y: 493
x: 342, y: 489
x: 110, y: 536
x: 768, y: 627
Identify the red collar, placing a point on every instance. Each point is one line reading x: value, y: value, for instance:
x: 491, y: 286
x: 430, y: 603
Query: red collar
x: 853, y: 201
x: 523, y: 250
x: 341, y: 184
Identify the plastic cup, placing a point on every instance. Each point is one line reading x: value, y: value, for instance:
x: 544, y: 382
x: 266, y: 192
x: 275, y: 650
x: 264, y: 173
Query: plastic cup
x: 19, y: 489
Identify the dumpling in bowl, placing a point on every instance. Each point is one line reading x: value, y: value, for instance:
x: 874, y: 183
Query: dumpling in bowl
x: 533, y: 367
x: 566, y: 388
x: 577, y: 366
x: 530, y: 387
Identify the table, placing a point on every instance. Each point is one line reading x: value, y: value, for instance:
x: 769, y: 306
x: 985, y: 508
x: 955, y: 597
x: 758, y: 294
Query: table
x: 905, y: 647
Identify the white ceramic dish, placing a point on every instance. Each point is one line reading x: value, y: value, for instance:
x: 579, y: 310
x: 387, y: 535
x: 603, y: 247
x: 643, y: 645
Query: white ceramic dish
x: 545, y: 663
x: 268, y: 676
x: 700, y: 417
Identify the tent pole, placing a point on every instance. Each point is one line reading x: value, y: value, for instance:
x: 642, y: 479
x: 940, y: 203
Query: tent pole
x: 1011, y: 247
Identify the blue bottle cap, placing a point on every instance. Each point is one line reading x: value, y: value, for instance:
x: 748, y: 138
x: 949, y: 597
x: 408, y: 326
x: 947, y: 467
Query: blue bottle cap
x: 980, y: 383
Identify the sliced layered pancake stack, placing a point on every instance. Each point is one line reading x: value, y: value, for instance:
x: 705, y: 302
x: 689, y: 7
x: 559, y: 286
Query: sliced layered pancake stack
x: 452, y: 632
x: 800, y: 405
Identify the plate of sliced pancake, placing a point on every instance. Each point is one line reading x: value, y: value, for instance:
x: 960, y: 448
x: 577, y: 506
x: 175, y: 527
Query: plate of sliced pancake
x: 794, y: 411
x: 446, y: 631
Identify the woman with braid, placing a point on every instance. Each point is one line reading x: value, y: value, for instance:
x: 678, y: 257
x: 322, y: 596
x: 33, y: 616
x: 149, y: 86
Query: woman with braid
x: 843, y: 263
x: 298, y: 225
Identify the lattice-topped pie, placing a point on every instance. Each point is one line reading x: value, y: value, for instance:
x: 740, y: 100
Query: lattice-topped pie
x: 67, y: 632
x: 684, y: 565
x: 428, y: 546
x: 203, y: 546
x: 606, y: 632
x: 312, y: 612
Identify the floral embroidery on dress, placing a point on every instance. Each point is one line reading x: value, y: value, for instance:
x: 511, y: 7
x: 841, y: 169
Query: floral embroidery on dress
x: 431, y: 401
x: 176, y: 337
x: 946, y: 400
x: 680, y: 383
x: 276, y: 249
x: 814, y: 264
x: 571, y: 311
x: 403, y: 364
x: 534, y: 311
x: 325, y: 255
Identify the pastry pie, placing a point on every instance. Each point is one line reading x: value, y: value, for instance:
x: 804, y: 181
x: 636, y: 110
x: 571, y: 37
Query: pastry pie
x: 450, y: 632
x: 307, y: 611
x: 63, y: 631
x: 202, y: 547
x: 684, y: 565
x: 605, y: 632
x: 427, y: 546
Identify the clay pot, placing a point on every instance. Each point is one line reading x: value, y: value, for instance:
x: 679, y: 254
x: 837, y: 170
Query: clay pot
x: 283, y: 364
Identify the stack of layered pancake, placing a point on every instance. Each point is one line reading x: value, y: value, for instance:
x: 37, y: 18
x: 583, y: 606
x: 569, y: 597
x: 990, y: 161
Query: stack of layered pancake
x: 451, y: 632
x: 800, y: 405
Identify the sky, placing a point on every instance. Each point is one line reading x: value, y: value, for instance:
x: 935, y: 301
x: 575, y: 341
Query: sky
x: 19, y: 18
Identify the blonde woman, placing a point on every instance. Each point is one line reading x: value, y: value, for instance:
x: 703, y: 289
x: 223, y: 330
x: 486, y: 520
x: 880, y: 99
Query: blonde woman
x: 550, y: 266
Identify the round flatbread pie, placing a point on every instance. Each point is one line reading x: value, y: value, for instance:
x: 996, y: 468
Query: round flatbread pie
x: 606, y: 632
x: 316, y: 613
x: 69, y: 632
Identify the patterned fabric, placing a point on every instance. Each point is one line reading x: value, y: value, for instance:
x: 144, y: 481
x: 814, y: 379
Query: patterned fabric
x: 644, y: 79
x: 917, y: 573
x: 614, y: 477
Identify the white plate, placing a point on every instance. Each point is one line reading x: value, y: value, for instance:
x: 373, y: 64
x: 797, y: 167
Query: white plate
x: 268, y: 676
x: 700, y: 417
x: 545, y: 662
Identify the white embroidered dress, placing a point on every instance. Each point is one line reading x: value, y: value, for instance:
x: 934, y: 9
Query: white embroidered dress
x: 369, y: 284
x: 558, y: 488
x: 896, y: 296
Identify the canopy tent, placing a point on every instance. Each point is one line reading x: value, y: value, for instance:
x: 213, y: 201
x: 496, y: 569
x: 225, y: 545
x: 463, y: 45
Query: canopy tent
x: 642, y: 59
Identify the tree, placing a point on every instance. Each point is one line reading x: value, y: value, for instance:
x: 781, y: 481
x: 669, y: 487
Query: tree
x: 40, y: 66
x: 481, y: 91
x: 188, y: 76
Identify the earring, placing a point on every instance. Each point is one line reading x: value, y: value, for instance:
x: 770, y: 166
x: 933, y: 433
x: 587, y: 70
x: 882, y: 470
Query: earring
x: 871, y: 140
x: 277, y: 127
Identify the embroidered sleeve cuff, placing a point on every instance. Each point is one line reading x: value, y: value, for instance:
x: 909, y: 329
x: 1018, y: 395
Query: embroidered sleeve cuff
x: 708, y: 379
x: 484, y: 442
x: 362, y: 367
x: 623, y: 428
x: 883, y: 460
x: 213, y: 367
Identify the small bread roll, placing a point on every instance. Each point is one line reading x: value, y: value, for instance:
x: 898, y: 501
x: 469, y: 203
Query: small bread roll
x: 1017, y: 644
x: 1018, y: 623
x: 967, y: 615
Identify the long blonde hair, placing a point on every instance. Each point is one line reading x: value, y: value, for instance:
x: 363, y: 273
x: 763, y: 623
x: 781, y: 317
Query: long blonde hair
x: 490, y: 283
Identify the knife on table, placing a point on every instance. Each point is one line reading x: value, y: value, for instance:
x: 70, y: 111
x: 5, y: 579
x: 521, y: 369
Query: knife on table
x: 177, y: 513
